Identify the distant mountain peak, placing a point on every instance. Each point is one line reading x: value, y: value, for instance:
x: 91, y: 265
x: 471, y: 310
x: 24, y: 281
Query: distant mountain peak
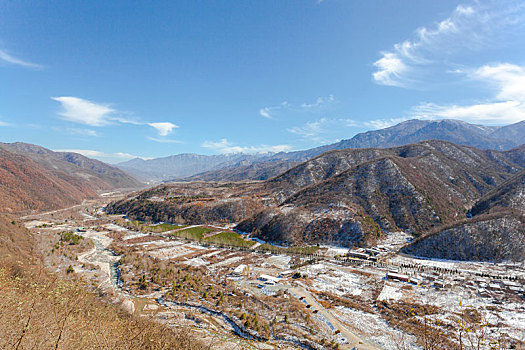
x: 263, y: 166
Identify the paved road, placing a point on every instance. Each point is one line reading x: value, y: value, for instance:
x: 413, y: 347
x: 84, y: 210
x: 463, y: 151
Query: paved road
x: 353, y: 340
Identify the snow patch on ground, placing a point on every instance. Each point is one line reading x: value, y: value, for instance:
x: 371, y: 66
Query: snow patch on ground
x: 373, y: 328
x: 170, y: 252
x: 196, y: 262
x: 335, y: 281
x: 279, y: 261
x: 390, y: 293
x: 395, y: 240
x: 333, y: 251
x: 134, y: 235
x: 35, y: 223
x: 226, y: 262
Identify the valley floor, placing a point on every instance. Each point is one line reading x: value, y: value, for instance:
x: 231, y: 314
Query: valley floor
x: 241, y: 297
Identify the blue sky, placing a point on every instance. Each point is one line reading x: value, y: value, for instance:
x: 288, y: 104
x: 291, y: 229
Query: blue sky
x: 120, y: 79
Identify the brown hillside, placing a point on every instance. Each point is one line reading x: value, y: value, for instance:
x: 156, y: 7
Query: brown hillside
x: 96, y: 174
x: 25, y: 185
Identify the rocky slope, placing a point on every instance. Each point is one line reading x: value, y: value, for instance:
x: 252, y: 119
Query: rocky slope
x: 192, y: 203
x: 496, y: 239
x: 351, y: 196
x: 496, y: 231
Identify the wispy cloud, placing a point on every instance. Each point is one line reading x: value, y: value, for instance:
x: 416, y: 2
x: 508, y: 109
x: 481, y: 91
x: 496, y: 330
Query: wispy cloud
x: 81, y: 111
x: 2, y: 123
x: 384, y: 123
x: 507, y: 106
x: 269, y: 112
x: 162, y: 140
x: 105, y: 157
x: 6, y: 57
x: 82, y: 132
x: 324, y: 130
x: 469, y: 28
x: 285, y: 106
x: 319, y: 102
x: 225, y: 146
x: 321, y: 130
x: 265, y: 112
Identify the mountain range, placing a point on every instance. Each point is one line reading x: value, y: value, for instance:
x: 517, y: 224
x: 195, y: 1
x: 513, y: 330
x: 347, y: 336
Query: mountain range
x: 350, y: 197
x: 437, y: 190
x: 236, y: 167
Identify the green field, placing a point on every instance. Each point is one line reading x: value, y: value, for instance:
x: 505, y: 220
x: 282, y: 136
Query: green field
x: 230, y: 239
x: 193, y: 233
x: 288, y: 250
x: 226, y: 238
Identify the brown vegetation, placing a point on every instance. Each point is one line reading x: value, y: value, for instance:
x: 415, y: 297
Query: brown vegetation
x: 43, y: 311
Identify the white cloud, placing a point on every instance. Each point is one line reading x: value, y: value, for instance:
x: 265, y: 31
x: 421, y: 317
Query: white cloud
x: 265, y: 112
x: 84, y: 152
x: 310, y: 130
x: 164, y: 140
x: 507, y: 79
x: 4, y: 56
x: 468, y: 28
x: 507, y: 106
x: 491, y: 113
x: 384, y: 123
x: 224, y: 146
x: 105, y: 157
x: 82, y: 111
x: 390, y: 69
x: 82, y: 132
x: 320, y: 101
x: 324, y: 129
x: 319, y: 104
x: 164, y: 128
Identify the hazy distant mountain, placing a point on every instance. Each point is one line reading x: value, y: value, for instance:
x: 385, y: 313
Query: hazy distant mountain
x: 408, y: 132
x: 262, y: 170
x: 183, y: 165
